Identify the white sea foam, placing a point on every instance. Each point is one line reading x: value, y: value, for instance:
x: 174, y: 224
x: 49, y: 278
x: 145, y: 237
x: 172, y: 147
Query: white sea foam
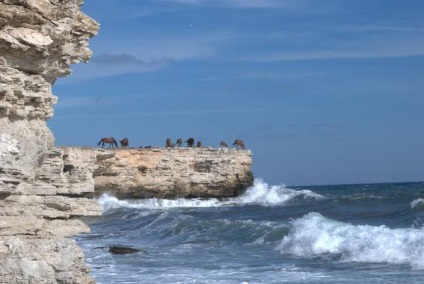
x: 417, y: 203
x: 262, y: 193
x: 109, y: 202
x: 259, y: 193
x: 314, y: 235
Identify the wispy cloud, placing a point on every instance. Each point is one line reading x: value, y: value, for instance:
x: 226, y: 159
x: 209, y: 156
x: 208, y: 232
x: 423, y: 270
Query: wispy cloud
x: 331, y: 47
x: 153, y: 52
x: 75, y: 102
x: 235, y: 3
x: 166, y: 113
x: 127, y: 59
x: 180, y: 46
x: 109, y: 65
x: 252, y: 75
x: 375, y: 28
x: 337, y: 54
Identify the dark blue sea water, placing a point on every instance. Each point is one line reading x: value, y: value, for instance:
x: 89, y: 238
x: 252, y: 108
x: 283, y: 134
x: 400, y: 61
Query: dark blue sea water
x: 368, y: 233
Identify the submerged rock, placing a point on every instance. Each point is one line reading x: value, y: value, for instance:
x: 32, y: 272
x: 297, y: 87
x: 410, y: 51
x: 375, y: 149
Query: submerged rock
x: 123, y: 250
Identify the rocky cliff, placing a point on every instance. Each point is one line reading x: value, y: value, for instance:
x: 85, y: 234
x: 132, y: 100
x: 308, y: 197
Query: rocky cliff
x: 163, y: 172
x: 39, y: 204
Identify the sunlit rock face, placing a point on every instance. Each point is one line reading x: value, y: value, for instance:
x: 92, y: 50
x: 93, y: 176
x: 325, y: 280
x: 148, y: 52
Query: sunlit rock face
x: 39, y: 40
x: 163, y: 172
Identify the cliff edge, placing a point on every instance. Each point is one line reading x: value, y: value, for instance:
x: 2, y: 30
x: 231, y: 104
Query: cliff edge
x: 164, y: 172
x: 39, y: 204
x: 41, y: 197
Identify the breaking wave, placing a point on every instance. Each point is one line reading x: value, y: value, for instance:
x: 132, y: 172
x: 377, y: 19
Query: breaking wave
x: 260, y: 193
x: 417, y: 203
x: 314, y: 235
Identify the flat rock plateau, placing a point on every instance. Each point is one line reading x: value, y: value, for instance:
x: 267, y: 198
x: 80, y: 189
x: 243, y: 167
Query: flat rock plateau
x: 160, y: 172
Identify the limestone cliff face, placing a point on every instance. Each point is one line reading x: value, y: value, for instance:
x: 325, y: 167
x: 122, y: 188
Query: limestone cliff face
x: 39, y: 39
x: 166, y: 172
x: 40, y: 203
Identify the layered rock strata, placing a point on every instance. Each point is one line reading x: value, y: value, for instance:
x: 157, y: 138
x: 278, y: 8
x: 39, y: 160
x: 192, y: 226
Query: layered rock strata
x: 166, y: 172
x: 39, y: 203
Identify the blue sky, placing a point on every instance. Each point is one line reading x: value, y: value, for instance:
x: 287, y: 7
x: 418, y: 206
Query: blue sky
x: 322, y: 92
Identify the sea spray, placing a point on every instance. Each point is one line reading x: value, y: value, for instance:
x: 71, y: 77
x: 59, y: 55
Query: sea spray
x: 260, y: 193
x: 377, y: 238
x: 315, y: 235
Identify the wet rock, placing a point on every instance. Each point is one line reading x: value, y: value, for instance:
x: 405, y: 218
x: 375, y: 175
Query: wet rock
x: 123, y: 250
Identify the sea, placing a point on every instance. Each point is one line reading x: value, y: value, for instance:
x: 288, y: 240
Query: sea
x: 362, y: 233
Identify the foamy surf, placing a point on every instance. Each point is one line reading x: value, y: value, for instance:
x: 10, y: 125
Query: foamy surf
x: 315, y: 235
x: 263, y: 193
x: 260, y: 193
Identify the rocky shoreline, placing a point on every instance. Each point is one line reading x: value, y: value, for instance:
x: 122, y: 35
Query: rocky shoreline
x: 41, y: 204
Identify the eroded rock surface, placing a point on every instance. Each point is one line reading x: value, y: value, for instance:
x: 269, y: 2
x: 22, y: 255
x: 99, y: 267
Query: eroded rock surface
x: 39, y: 204
x: 165, y: 172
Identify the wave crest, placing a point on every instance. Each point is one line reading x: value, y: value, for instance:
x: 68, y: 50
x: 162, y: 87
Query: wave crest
x: 314, y: 235
x: 260, y: 193
x: 417, y: 203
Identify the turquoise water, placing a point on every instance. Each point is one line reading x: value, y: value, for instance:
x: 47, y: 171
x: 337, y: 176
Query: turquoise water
x: 368, y: 233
